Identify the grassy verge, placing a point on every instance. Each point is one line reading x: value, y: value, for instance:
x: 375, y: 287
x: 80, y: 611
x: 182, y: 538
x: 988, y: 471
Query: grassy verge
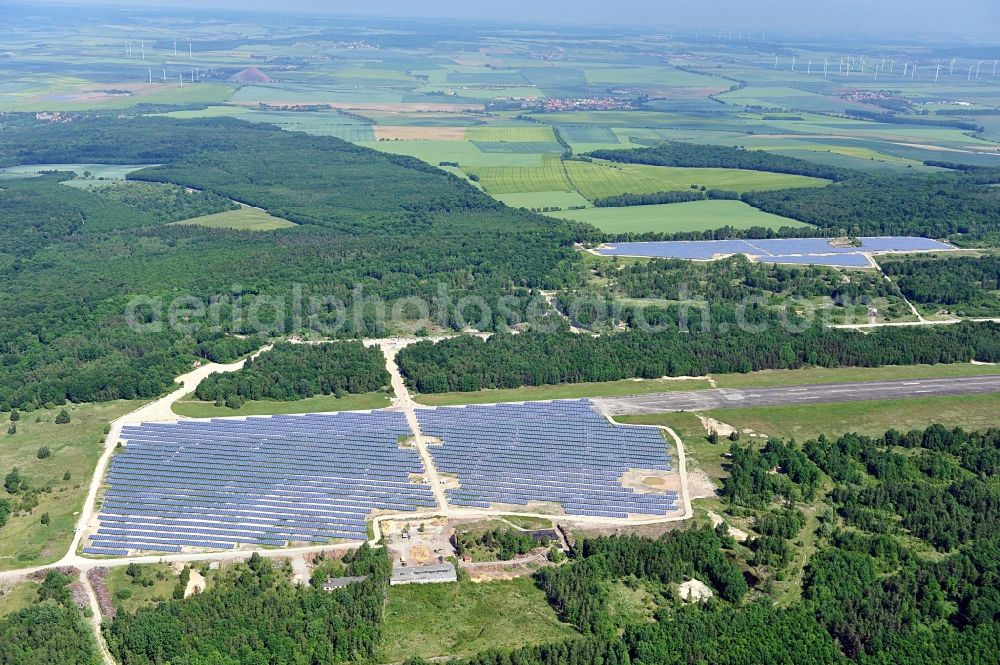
x: 318, y: 404
x: 809, y: 375
x: 464, y: 618
x: 525, y: 522
x: 564, y: 391
x: 871, y: 417
x: 74, y: 447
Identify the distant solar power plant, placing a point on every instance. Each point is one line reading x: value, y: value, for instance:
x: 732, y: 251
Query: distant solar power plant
x: 563, y: 452
x: 811, y: 251
x: 257, y: 482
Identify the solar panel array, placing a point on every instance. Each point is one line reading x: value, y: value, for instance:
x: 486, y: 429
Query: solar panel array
x: 562, y: 451
x: 813, y: 251
x: 259, y: 481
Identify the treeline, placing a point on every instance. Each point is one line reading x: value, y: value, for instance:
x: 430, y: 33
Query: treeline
x: 49, y: 630
x: 720, y: 233
x: 290, y: 372
x: 510, y: 361
x: 676, y: 153
x: 897, y: 119
x: 966, y: 285
x: 657, y: 198
x: 253, y: 613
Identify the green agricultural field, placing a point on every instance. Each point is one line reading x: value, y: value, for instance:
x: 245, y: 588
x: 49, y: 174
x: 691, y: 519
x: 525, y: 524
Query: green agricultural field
x: 873, y: 417
x: 78, y: 98
x: 464, y: 618
x: 246, y: 218
x: 319, y: 123
x: 525, y: 133
x: 600, y: 179
x: 815, y: 375
x: 674, y: 217
x: 193, y: 408
x: 548, y: 176
x: 538, y: 200
x: 75, y: 448
x: 564, y: 391
x: 784, y: 97
x: 465, y: 153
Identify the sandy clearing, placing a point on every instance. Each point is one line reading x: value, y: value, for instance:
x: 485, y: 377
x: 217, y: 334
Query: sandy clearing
x: 738, y: 534
x: 694, y: 591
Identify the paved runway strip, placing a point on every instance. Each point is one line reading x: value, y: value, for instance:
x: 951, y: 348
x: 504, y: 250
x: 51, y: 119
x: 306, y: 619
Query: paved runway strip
x: 722, y: 398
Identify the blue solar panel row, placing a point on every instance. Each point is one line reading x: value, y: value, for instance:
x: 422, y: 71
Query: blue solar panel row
x: 261, y: 481
x: 561, y: 452
x: 813, y: 251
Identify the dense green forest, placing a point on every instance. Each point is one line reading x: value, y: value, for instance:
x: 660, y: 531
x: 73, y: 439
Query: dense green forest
x: 254, y: 614
x: 510, y: 361
x: 372, y: 226
x: 960, y: 205
x: 677, y: 153
x: 964, y: 285
x: 50, y: 630
x: 291, y: 372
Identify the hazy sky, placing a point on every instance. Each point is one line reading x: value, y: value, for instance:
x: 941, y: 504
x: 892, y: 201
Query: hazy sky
x: 981, y: 17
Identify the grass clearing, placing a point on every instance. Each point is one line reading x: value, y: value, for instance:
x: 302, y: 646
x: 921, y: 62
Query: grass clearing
x: 17, y: 596
x: 155, y: 583
x: 971, y: 412
x: 193, y: 408
x: 464, y: 618
x: 74, y: 447
x: 562, y: 200
x: 97, y: 172
x: 246, y: 218
x: 674, y: 217
x: 631, y: 603
x: 564, y: 391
